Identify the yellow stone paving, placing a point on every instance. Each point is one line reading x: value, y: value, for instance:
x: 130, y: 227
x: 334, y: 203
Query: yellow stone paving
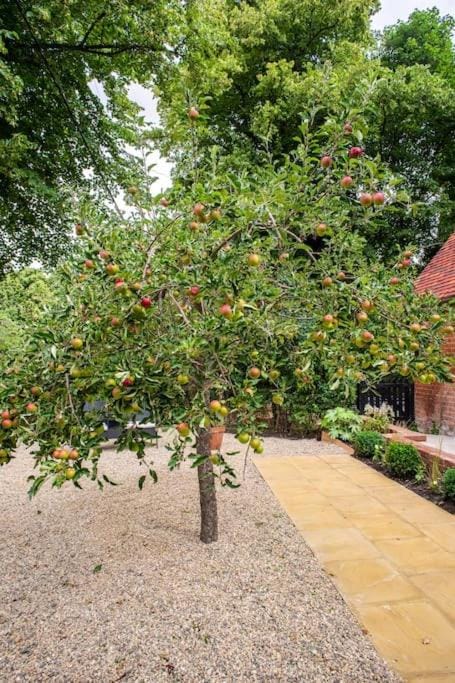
x: 390, y: 552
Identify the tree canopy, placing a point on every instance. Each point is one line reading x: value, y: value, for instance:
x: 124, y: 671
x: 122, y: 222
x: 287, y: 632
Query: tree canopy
x: 68, y: 130
x: 58, y: 137
x: 259, y: 68
x: 227, y: 296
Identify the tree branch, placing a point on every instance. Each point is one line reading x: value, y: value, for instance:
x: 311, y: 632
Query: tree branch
x: 100, y: 16
x: 103, y: 49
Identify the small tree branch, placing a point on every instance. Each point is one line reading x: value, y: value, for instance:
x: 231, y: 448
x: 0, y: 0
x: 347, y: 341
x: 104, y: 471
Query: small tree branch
x: 96, y: 20
x: 182, y: 312
x: 103, y: 49
x: 70, y: 399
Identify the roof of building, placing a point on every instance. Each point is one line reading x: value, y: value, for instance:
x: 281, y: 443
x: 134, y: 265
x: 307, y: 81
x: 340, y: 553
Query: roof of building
x: 438, y: 276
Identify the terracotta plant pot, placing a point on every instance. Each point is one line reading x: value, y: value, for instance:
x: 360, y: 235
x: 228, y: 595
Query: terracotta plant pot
x: 216, y: 437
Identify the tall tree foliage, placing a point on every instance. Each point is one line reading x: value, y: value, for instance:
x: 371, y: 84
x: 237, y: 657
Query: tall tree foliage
x: 254, y: 69
x: 57, y: 137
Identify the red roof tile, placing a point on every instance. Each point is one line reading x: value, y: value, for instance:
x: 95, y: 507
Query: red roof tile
x: 438, y: 276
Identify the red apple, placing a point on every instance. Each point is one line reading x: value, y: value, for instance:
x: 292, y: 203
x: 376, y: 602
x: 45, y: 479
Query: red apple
x: 5, y: 414
x: 326, y: 161
x: 116, y: 322
x: 327, y: 281
x: 31, y: 407
x: 215, y: 406
x: 366, y: 305
x: 193, y: 113
x: 112, y: 269
x: 198, y: 209
x: 406, y: 262
x: 254, y: 373
x: 226, y: 310
x: 88, y: 263
x: 103, y: 254
x: 362, y: 316
x: 378, y: 198
x: 146, y: 302
x: 366, y: 199
x: 346, y: 181
x: 183, y: 429
x: 394, y: 280
x: 194, y: 290
x: 367, y: 336
x: 355, y: 152
x: 128, y: 382
x: 7, y: 423
x: 328, y: 318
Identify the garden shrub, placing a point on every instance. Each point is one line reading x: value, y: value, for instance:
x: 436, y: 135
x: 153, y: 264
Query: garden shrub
x: 377, y: 419
x: 368, y: 444
x: 403, y: 460
x: 448, y: 483
x: 341, y: 423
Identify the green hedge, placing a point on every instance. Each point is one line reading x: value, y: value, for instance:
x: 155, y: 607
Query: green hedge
x: 367, y: 444
x: 403, y: 460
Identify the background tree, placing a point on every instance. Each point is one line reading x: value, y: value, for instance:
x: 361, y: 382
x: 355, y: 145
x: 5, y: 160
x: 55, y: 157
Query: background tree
x: 254, y: 70
x: 57, y: 135
x: 415, y: 125
x: 198, y: 313
x: 24, y: 299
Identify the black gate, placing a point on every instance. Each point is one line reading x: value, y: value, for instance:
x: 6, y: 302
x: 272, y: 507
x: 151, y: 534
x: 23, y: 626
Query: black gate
x: 397, y: 392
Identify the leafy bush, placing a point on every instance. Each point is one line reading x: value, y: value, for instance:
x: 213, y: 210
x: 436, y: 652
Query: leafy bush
x: 378, y: 418
x: 448, y: 483
x: 368, y: 444
x: 341, y: 423
x: 403, y: 460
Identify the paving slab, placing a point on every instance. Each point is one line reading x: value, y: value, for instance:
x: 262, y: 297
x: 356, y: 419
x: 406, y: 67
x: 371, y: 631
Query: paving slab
x: 390, y: 553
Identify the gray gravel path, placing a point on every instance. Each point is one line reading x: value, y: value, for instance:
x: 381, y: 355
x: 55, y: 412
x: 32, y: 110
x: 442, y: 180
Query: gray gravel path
x: 255, y: 607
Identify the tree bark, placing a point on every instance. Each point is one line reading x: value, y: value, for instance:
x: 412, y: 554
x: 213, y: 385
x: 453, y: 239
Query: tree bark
x: 207, y: 492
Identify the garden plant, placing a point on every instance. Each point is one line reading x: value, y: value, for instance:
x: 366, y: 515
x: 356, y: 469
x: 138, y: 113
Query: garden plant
x: 217, y: 301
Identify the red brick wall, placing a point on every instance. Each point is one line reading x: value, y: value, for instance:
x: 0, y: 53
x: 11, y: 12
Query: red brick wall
x: 436, y: 402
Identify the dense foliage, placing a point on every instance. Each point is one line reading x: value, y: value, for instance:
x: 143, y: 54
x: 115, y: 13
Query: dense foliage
x: 57, y: 134
x: 24, y: 299
x: 403, y: 460
x: 234, y: 296
x: 68, y: 128
x: 368, y: 444
x: 448, y: 483
x: 254, y: 70
x: 341, y: 423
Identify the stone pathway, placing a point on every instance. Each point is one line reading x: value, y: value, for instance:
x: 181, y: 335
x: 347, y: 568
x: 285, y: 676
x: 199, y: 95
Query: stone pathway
x: 390, y: 552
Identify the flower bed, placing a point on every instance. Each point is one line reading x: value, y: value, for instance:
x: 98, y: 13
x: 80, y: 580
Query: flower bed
x: 429, y: 464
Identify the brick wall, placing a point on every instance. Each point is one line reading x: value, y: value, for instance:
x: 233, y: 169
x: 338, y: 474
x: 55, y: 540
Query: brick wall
x: 436, y: 402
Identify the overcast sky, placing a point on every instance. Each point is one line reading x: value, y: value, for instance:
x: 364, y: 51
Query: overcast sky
x: 390, y: 12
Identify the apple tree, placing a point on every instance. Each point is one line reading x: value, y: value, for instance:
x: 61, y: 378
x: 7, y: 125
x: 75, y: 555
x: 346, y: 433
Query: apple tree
x: 219, y: 301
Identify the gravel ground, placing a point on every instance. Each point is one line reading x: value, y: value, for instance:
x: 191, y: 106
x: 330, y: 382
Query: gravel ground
x: 254, y: 607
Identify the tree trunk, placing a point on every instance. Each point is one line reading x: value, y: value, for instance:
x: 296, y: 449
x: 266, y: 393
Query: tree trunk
x: 207, y: 492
